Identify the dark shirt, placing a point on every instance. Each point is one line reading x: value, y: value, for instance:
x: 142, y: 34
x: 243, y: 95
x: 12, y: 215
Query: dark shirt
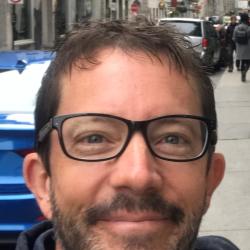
x: 229, y: 33
x: 41, y: 237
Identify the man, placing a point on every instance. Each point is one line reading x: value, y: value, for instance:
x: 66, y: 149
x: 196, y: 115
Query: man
x: 126, y: 133
x: 231, y: 47
x: 241, y: 36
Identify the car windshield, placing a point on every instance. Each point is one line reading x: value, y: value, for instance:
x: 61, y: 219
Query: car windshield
x: 188, y: 28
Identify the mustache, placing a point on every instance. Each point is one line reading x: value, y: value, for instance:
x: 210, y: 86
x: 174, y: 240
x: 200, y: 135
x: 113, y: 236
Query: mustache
x: 150, y: 201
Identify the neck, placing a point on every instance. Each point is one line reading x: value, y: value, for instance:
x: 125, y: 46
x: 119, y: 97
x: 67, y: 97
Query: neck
x: 58, y: 246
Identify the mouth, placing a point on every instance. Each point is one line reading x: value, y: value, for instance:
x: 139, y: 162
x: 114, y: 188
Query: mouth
x: 130, y: 215
x: 126, y: 223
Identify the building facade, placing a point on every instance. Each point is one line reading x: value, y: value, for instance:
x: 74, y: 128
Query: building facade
x: 218, y: 7
x: 35, y: 24
x: 39, y: 24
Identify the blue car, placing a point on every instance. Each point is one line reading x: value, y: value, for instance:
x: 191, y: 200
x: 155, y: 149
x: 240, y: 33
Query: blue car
x: 20, y: 77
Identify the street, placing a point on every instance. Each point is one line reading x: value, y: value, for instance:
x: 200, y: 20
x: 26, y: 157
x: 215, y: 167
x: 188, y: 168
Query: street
x: 229, y: 214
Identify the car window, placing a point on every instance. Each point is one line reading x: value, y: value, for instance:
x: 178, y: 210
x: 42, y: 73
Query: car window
x: 188, y: 28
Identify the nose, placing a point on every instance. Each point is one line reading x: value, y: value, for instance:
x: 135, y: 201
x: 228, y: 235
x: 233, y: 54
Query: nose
x: 137, y: 169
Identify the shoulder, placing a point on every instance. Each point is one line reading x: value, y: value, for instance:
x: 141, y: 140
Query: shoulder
x: 236, y: 28
x: 214, y: 243
x: 244, y: 26
x: 39, y: 237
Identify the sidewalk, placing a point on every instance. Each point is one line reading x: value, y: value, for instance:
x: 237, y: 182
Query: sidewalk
x: 229, y: 214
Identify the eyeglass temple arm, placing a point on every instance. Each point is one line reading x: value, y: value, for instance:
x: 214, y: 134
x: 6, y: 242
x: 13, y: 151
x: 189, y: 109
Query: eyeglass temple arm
x: 45, y: 130
x: 214, y: 137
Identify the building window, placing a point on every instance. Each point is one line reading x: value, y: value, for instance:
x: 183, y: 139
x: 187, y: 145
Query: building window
x: 83, y: 10
x: 22, y: 21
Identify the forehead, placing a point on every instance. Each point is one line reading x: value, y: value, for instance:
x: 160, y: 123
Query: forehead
x: 134, y: 86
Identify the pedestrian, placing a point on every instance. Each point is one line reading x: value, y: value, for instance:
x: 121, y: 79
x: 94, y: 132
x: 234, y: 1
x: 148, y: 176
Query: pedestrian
x: 231, y: 46
x: 126, y: 130
x: 241, y: 37
x: 220, y: 28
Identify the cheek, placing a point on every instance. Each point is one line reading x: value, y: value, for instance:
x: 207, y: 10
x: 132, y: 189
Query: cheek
x: 186, y: 186
x: 76, y: 183
x: 80, y: 186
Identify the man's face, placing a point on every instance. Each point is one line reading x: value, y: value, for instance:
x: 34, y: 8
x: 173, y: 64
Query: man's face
x: 135, y: 201
x: 233, y: 19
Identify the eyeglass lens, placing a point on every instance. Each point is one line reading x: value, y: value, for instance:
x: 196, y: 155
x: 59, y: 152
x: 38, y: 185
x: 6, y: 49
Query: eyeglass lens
x: 177, y: 138
x: 93, y: 137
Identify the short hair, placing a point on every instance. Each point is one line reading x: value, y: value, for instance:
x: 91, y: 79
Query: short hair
x: 233, y: 18
x: 86, y: 40
x: 244, y: 18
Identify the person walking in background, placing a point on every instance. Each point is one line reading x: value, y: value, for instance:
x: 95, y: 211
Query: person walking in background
x: 220, y: 28
x: 241, y: 37
x: 231, y: 47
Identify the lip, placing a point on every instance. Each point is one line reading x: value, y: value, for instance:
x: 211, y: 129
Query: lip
x: 134, y: 216
x: 134, y: 222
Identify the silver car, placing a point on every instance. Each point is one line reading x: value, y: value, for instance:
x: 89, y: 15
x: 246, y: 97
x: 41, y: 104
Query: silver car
x: 202, y: 36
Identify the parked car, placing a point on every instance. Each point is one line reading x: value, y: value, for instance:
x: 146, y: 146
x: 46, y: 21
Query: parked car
x: 202, y: 36
x: 20, y: 77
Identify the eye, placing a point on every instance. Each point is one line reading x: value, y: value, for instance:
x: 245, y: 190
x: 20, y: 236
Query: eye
x: 95, y: 138
x: 172, y: 139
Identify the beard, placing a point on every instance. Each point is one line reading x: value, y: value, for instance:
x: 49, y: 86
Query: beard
x: 78, y: 230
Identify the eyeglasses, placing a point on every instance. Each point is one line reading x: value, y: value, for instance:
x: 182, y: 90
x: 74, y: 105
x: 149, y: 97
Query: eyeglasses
x: 100, y: 137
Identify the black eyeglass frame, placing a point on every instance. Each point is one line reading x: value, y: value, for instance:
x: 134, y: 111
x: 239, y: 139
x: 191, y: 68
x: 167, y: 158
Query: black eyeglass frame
x: 56, y: 123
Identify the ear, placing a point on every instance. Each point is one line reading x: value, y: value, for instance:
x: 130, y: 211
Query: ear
x: 38, y: 181
x: 214, y: 176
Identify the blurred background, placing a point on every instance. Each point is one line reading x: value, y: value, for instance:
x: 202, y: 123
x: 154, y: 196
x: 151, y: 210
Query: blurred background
x: 38, y: 24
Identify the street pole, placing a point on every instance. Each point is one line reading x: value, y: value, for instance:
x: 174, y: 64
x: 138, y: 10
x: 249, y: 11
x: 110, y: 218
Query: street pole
x: 13, y: 25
